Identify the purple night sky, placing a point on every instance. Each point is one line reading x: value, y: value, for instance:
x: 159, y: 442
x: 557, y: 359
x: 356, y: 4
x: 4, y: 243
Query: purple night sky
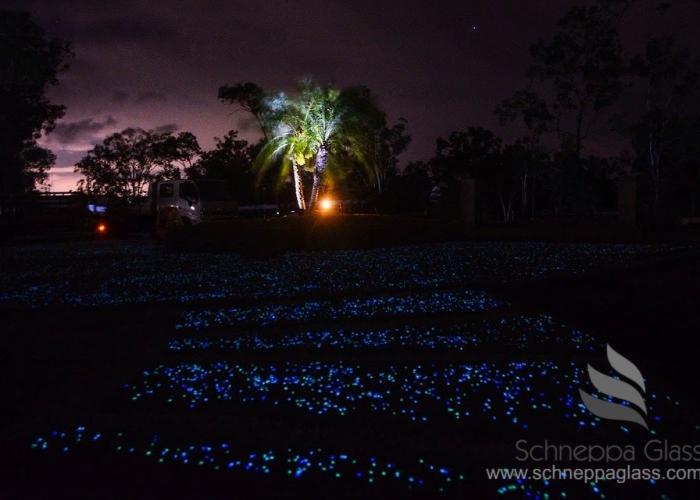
x: 442, y: 65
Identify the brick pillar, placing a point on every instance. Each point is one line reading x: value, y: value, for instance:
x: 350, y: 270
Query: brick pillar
x: 467, y: 202
x: 627, y: 200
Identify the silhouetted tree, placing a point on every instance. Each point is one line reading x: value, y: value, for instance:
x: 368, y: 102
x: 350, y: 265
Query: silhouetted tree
x: 230, y: 160
x: 463, y: 155
x: 250, y: 97
x: 371, y: 144
x: 669, y: 77
x: 582, y: 64
x: 379, y: 150
x: 29, y: 65
x: 126, y: 162
x: 181, y: 150
x: 530, y: 110
x: 37, y: 162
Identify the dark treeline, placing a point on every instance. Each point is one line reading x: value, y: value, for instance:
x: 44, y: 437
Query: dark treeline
x: 579, y: 77
x: 29, y: 65
x: 320, y: 139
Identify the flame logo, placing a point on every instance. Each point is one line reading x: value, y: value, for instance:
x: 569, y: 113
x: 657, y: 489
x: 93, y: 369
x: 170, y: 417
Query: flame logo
x: 636, y: 410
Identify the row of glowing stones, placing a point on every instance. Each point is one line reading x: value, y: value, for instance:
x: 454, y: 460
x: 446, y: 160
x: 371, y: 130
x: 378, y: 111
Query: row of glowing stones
x: 125, y: 273
x: 516, y: 331
x: 223, y: 456
x: 418, y: 392
x: 417, y: 303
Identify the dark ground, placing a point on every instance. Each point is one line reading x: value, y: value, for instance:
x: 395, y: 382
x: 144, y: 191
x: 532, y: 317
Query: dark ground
x: 653, y: 310
x: 66, y: 365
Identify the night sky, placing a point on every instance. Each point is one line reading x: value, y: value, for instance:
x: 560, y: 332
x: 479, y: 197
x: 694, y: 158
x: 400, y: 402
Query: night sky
x: 441, y: 65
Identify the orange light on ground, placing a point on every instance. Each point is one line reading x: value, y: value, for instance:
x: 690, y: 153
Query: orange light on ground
x: 326, y: 204
x: 102, y: 228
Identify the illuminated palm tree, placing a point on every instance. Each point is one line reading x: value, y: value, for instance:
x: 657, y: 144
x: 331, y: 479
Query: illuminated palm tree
x: 289, y: 147
x: 322, y: 124
x: 324, y: 113
x: 340, y: 127
x: 287, y: 151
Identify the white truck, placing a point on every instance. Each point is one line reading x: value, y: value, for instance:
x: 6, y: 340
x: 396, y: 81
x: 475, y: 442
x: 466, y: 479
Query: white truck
x: 170, y: 204
x: 190, y: 202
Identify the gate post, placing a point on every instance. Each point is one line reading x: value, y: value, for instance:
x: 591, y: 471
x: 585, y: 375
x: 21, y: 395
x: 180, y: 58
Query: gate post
x: 467, y: 201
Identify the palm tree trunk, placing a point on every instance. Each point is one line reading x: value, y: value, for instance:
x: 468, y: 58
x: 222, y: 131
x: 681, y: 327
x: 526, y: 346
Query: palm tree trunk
x: 315, y: 189
x: 298, y: 187
x: 319, y: 168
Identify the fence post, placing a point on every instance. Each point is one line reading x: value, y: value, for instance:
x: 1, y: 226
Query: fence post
x: 627, y: 200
